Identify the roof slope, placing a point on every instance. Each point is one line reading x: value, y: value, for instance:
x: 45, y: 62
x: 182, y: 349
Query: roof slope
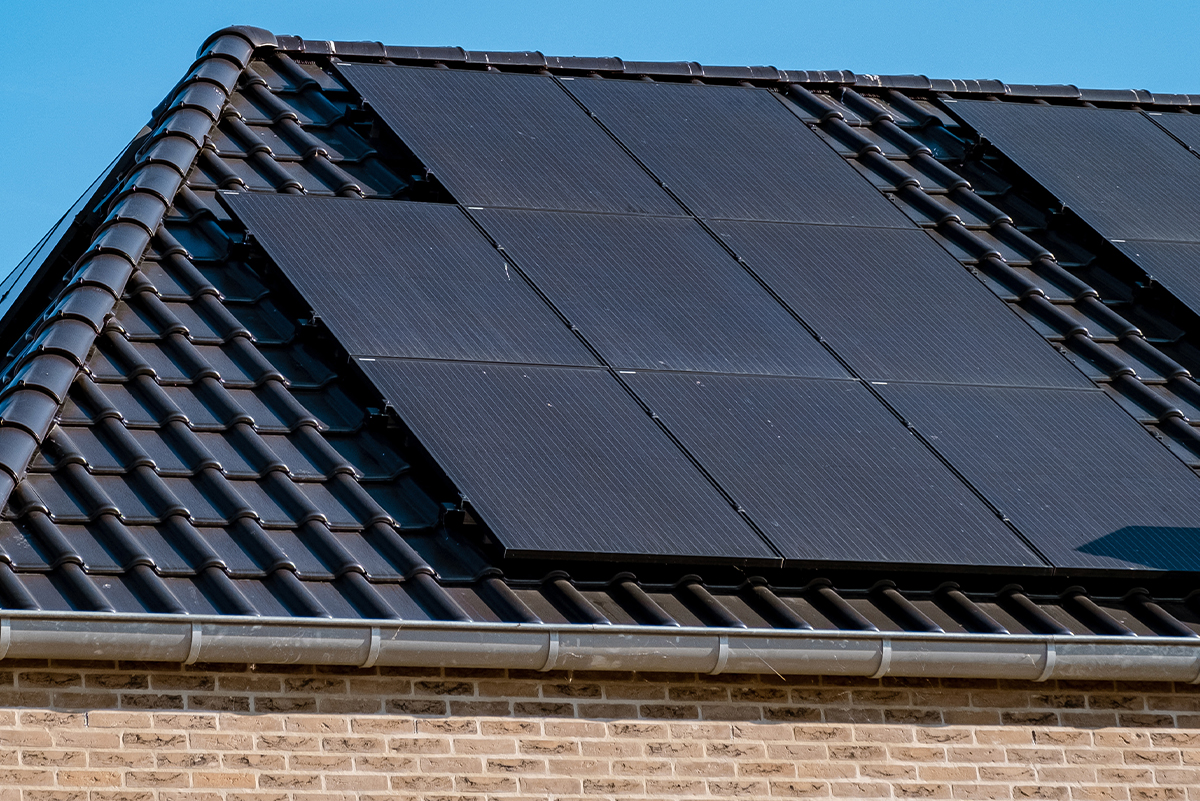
x: 177, y: 438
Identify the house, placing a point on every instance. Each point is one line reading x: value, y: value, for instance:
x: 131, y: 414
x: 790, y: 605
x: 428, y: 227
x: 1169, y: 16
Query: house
x: 414, y: 422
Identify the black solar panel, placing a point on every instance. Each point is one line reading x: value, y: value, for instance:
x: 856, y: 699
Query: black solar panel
x: 1174, y: 265
x: 1184, y: 127
x: 657, y: 293
x: 562, y: 460
x: 827, y: 472
x: 735, y: 152
x: 407, y: 279
x: 1121, y: 173
x: 507, y: 139
x: 896, y: 306
x: 1087, y: 485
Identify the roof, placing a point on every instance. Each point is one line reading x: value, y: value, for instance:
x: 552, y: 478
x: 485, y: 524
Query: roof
x: 194, y: 468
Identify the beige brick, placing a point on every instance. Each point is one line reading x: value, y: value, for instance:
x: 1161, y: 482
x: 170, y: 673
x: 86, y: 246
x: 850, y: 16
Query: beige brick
x: 223, y: 779
x: 485, y: 784
x: 900, y: 738
x: 157, y: 778
x: 89, y: 778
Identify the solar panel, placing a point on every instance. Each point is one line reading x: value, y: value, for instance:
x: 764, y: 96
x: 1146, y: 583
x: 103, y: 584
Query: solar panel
x: 1087, y: 485
x: 1120, y: 172
x: 407, y: 279
x: 735, y: 152
x: 896, y: 306
x: 827, y: 472
x: 563, y: 460
x: 657, y: 293
x: 1174, y: 265
x: 506, y: 139
x: 1184, y: 127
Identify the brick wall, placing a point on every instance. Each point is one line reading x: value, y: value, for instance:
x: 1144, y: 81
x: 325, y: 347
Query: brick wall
x: 102, y: 731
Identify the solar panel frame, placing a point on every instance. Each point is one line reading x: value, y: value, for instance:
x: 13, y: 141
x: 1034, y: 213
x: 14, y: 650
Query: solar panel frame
x: 1082, y: 481
x: 828, y: 473
x: 507, y: 139
x: 734, y: 152
x: 561, y: 460
x: 895, y: 306
x: 1173, y: 265
x: 1121, y: 173
x: 657, y: 293
x: 417, y: 280
x: 1184, y: 127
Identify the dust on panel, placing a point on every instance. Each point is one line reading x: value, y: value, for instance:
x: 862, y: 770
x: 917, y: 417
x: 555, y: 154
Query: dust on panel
x: 1116, y: 169
x: 507, y: 139
x: 735, y: 152
x: 563, y: 460
x: 828, y: 473
x: 1083, y: 481
x: 896, y: 306
x: 417, y: 280
x: 657, y: 293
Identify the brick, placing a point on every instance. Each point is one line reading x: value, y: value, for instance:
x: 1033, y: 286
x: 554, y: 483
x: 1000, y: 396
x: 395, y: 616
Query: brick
x: 157, y: 778
x: 89, y: 778
x: 419, y: 783
x: 254, y: 761
x: 383, y: 724
x: 385, y: 764
x: 151, y: 701
x: 37, y: 757
x: 123, y: 758
x: 320, y: 762
x: 221, y: 741
x: 486, y: 784
x: 799, y: 789
x: 224, y: 779
x: 540, y: 746
x: 249, y: 723
x: 155, y: 740
x: 45, y: 678
x: 185, y: 722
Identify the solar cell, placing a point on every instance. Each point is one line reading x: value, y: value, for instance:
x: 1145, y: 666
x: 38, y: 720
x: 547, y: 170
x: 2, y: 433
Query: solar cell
x: 657, y: 293
x: 735, y: 152
x: 507, y: 139
x: 563, y: 460
x: 896, y: 306
x: 407, y: 279
x: 827, y: 472
x: 1121, y: 173
x: 1087, y: 485
x: 1174, y: 265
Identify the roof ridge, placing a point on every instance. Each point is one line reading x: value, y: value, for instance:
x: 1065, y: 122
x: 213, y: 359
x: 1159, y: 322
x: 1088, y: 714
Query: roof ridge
x: 53, y: 351
x: 261, y: 38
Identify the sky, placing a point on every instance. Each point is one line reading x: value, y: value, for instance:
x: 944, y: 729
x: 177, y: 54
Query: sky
x: 81, y: 78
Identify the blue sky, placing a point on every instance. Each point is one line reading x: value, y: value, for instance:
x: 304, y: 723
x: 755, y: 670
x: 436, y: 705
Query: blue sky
x: 82, y: 77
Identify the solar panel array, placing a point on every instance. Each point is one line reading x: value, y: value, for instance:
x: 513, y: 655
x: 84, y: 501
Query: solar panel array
x: 827, y: 472
x: 1120, y: 172
x: 414, y: 280
x: 1104, y: 496
x: 896, y: 306
x: 655, y: 293
x: 564, y: 460
x: 507, y: 140
x: 734, y: 152
x: 712, y: 339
